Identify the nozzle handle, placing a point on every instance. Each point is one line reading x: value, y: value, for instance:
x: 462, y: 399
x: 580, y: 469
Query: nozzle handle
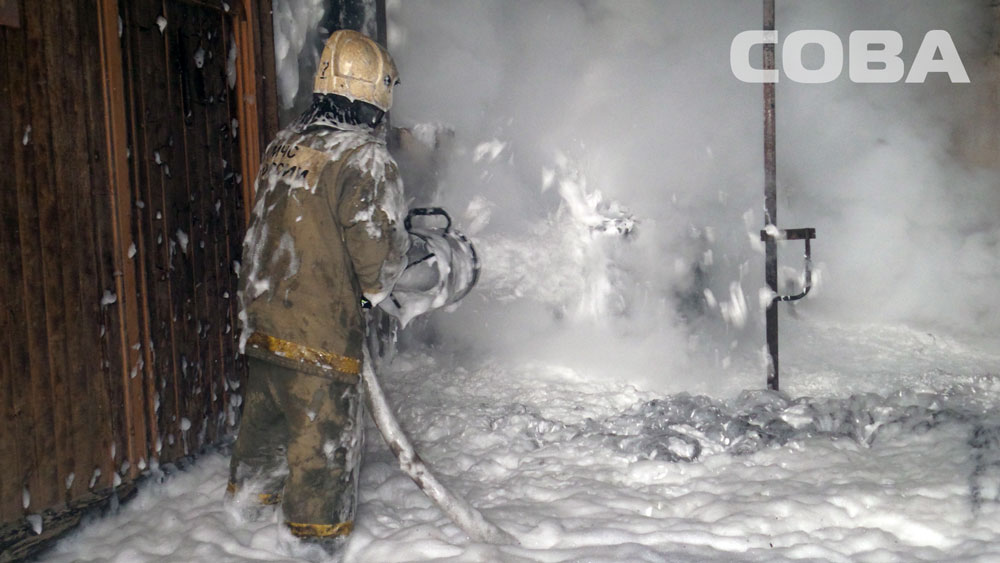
x: 426, y: 212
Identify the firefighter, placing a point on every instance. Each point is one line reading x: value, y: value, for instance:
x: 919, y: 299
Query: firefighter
x: 326, y: 239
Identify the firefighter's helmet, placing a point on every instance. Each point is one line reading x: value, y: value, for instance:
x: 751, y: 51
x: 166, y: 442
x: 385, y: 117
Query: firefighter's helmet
x: 357, y: 68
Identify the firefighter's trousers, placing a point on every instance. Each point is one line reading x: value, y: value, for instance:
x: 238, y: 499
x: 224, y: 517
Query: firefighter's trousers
x: 300, y: 443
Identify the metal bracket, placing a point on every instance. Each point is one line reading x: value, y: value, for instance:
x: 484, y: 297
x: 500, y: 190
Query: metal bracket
x: 806, y: 235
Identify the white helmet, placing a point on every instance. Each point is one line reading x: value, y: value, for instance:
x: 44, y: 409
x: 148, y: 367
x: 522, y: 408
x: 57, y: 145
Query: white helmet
x: 357, y: 68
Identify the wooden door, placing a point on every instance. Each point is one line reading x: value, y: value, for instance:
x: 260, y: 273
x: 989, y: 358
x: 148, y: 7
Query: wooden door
x: 180, y: 61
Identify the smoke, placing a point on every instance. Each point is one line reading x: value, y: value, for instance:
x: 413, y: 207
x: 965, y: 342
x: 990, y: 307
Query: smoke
x: 298, y: 41
x: 609, y: 168
x: 910, y: 227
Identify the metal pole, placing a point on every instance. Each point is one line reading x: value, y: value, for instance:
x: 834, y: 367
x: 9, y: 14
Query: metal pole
x: 770, y: 205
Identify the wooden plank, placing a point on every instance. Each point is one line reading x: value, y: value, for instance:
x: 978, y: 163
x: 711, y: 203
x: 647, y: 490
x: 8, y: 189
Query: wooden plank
x: 94, y: 217
x: 187, y: 89
x: 177, y: 210
x: 216, y: 288
x: 124, y: 118
x: 114, y: 331
x: 9, y: 13
x: 157, y: 325
x: 225, y: 166
x: 231, y: 206
x: 216, y: 112
x: 224, y: 173
x: 257, y: 103
x: 57, y: 243
x: 241, y: 104
x: 70, y: 168
x: 172, y: 209
x: 147, y: 63
x: 93, y: 424
x: 267, y: 83
x: 35, y: 201
x: 209, y: 124
x: 12, y: 352
x: 210, y: 21
x: 128, y: 422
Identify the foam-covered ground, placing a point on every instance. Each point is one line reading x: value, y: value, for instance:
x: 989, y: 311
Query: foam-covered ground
x: 890, y: 450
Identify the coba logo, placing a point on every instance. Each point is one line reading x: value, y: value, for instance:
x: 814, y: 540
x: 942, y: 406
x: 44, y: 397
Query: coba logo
x: 873, y: 57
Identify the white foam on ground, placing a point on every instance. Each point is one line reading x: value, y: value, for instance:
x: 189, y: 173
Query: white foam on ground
x: 549, y: 454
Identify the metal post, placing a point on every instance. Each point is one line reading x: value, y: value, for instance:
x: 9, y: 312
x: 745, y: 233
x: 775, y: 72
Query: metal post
x: 770, y: 204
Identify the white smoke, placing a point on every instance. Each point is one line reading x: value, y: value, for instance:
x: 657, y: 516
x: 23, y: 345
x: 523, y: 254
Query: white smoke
x: 607, y: 111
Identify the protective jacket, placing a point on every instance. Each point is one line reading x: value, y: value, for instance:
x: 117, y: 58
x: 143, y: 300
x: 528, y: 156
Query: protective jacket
x: 327, y: 229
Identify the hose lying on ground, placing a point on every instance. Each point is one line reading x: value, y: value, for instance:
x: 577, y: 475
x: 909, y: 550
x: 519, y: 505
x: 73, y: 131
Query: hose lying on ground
x: 463, y: 514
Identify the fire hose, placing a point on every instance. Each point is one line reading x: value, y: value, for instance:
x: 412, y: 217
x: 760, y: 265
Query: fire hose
x: 442, y: 268
x: 463, y: 514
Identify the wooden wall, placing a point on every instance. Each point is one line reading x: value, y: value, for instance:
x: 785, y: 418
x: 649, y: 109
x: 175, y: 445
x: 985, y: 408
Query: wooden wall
x: 61, y: 376
x: 187, y: 218
x: 126, y: 154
